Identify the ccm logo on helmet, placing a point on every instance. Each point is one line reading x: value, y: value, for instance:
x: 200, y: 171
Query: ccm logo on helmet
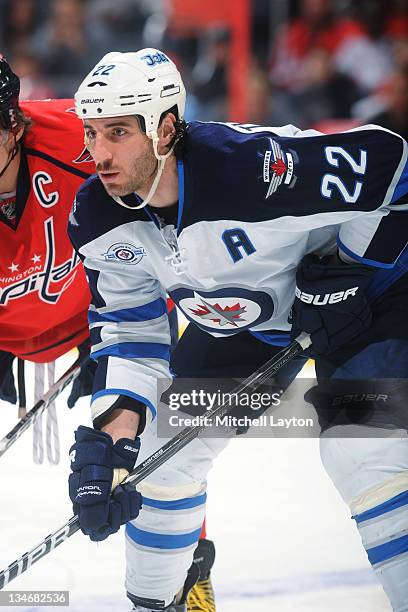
x: 156, y: 58
x: 328, y: 298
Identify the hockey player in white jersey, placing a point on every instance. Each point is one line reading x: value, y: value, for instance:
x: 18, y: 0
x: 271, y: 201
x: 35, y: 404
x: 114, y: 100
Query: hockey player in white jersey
x: 256, y: 233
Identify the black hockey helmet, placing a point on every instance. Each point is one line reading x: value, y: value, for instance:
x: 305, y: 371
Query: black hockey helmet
x: 9, y: 92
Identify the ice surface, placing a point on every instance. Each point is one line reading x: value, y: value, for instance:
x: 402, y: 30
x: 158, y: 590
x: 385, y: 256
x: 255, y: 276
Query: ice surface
x: 284, y: 538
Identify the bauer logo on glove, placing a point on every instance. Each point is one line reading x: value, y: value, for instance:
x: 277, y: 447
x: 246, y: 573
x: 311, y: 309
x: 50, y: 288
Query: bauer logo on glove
x: 330, y: 303
x: 327, y: 298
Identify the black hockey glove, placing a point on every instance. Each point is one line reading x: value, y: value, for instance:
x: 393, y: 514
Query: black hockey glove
x: 95, y: 462
x: 330, y: 303
x: 8, y: 391
x: 82, y: 385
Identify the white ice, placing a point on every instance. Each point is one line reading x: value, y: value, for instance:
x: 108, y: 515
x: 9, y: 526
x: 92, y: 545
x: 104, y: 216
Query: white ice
x: 285, y: 541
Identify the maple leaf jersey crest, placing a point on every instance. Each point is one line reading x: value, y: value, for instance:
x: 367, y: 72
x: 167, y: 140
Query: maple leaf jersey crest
x: 224, y: 310
x: 230, y: 315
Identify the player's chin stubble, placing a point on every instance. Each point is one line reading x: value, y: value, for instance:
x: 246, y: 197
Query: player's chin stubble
x: 140, y: 176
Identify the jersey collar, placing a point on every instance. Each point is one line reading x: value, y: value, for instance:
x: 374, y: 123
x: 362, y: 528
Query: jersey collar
x: 22, y: 191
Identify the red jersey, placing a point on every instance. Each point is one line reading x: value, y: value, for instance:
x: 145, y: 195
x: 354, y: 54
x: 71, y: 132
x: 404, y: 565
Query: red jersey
x: 44, y: 295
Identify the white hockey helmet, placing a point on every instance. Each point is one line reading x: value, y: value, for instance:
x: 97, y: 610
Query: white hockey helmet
x: 146, y: 83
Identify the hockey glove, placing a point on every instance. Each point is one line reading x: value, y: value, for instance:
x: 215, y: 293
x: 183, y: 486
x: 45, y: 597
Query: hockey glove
x: 8, y: 391
x: 330, y: 303
x: 95, y: 462
x: 82, y: 385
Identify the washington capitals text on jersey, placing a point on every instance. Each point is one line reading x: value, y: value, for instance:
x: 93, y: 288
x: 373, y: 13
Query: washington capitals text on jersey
x: 44, y: 296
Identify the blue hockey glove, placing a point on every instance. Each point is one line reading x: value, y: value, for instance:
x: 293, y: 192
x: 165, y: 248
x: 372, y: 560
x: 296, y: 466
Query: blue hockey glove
x: 94, y: 458
x: 82, y: 385
x: 8, y: 391
x: 330, y: 303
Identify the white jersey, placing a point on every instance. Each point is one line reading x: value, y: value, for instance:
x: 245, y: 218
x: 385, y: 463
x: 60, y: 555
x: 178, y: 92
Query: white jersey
x: 253, y: 201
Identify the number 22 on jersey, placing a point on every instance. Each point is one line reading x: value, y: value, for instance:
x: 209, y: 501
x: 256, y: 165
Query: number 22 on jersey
x: 333, y: 181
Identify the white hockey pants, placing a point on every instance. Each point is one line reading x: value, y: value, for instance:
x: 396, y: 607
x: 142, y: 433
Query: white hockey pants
x: 371, y: 475
x: 160, y: 543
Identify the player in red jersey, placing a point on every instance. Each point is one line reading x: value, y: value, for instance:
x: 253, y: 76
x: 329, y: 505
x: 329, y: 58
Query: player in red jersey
x: 43, y: 290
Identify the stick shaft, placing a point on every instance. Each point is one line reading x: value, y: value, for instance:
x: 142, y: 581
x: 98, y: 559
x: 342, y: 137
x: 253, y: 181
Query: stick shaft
x: 40, y: 406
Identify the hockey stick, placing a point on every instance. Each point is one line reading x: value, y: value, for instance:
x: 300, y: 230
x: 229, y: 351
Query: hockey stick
x: 41, y: 405
x: 149, y: 465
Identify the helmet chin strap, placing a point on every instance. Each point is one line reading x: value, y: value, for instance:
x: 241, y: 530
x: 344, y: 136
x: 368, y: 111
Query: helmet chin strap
x: 160, y: 167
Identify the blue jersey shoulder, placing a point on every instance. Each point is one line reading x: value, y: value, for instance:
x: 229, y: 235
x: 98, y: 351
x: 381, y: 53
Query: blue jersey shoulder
x: 223, y: 174
x: 251, y: 173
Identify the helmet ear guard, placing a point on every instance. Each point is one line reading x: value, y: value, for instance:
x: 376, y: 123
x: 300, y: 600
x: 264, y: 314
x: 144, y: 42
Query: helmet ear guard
x: 9, y: 122
x: 9, y: 93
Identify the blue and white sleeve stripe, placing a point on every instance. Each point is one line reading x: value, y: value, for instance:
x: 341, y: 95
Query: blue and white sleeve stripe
x: 152, y: 310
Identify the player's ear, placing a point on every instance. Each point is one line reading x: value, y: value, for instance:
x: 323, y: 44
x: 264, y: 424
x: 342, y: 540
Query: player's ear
x: 8, y: 136
x: 166, y: 131
x: 19, y: 133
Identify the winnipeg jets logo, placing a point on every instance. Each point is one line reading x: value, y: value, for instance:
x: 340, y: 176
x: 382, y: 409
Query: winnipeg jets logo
x: 224, y: 310
x: 278, y: 166
x: 230, y: 315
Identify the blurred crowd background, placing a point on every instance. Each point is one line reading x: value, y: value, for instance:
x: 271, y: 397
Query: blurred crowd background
x: 320, y: 63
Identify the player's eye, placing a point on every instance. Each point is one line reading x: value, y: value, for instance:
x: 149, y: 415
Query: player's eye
x: 118, y: 131
x: 89, y: 135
